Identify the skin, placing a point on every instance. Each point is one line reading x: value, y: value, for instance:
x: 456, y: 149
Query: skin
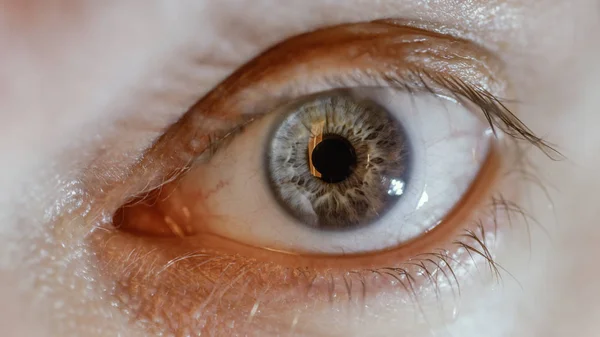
x: 91, y: 83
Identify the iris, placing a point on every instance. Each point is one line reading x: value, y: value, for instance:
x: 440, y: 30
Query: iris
x: 333, y: 158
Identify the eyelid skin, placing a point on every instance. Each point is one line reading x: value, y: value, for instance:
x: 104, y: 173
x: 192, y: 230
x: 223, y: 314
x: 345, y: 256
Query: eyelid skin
x: 371, y: 53
x: 206, y: 283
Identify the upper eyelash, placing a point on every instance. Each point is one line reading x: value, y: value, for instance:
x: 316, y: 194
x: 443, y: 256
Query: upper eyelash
x: 496, y: 113
x: 498, y: 116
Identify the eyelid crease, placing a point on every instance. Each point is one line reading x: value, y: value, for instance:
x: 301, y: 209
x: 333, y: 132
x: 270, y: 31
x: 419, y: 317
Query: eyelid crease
x: 366, y: 54
x: 371, y: 53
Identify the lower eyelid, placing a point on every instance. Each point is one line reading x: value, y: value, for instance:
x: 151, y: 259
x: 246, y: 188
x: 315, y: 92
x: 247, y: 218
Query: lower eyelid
x: 177, y: 280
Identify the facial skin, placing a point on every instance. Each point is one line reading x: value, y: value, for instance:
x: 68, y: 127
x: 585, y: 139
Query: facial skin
x: 91, y: 84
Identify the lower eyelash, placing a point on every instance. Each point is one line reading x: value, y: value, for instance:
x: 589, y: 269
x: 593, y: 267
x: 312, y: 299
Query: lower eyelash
x: 163, y: 289
x: 433, y: 272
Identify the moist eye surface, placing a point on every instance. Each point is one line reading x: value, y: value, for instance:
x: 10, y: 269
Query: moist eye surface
x: 337, y: 162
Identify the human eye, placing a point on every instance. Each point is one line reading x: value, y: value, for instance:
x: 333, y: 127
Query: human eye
x: 364, y: 165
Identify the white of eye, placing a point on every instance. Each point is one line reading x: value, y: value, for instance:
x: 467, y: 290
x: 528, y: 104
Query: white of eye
x: 449, y: 144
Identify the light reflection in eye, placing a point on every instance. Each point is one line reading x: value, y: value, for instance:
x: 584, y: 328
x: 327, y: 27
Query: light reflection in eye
x: 397, y: 188
x: 424, y: 198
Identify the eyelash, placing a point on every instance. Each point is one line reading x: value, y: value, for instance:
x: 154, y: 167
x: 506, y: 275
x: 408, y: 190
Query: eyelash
x: 498, y: 116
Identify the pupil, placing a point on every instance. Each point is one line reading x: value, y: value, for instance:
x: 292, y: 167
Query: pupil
x: 334, y: 157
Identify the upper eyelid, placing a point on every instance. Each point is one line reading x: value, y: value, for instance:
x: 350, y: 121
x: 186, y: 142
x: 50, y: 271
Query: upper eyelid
x: 483, y: 66
x: 454, y: 67
x: 411, y: 52
x: 375, y: 42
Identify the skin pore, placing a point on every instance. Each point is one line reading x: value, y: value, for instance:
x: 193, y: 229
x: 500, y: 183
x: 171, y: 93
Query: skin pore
x: 87, y: 86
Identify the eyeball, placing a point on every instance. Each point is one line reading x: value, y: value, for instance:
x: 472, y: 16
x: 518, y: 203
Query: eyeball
x: 345, y: 171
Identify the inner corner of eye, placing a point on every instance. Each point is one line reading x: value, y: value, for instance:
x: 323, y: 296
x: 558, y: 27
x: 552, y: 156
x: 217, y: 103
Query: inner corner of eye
x: 158, y: 213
